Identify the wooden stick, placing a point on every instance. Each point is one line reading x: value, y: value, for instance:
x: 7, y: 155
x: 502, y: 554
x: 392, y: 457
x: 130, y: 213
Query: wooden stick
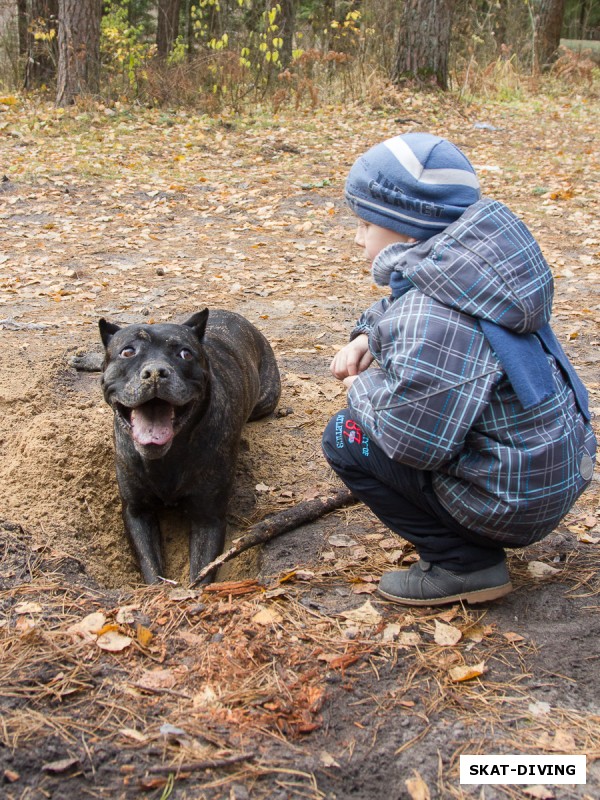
x: 282, y: 522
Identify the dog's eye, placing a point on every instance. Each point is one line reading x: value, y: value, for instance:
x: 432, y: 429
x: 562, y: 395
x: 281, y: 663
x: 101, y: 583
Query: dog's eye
x: 127, y: 352
x: 186, y: 354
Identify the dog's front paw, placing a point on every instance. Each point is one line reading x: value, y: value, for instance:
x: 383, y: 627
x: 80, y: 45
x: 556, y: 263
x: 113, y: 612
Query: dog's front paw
x: 87, y: 362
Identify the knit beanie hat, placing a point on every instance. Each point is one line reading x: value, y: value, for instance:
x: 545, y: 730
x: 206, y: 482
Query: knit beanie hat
x: 415, y: 184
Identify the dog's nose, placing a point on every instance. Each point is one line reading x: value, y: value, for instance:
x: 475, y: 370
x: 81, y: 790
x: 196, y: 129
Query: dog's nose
x: 154, y: 372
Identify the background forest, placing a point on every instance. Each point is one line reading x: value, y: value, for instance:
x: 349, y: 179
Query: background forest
x: 160, y: 156
x: 210, y: 54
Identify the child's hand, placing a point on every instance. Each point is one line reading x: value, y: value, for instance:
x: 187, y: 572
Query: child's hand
x: 353, y: 358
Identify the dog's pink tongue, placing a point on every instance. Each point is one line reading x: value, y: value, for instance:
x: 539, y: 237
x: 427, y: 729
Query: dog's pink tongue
x: 152, y: 424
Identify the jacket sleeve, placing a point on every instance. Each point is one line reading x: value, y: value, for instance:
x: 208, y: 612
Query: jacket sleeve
x: 435, y: 376
x: 370, y: 317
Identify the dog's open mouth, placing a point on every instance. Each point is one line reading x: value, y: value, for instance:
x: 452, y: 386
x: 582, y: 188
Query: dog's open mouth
x: 155, y: 423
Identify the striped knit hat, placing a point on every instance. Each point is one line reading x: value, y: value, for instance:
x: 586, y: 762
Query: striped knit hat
x: 415, y: 184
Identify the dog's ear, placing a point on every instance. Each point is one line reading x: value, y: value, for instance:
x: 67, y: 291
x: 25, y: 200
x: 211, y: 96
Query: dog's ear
x: 198, y: 322
x: 107, y: 331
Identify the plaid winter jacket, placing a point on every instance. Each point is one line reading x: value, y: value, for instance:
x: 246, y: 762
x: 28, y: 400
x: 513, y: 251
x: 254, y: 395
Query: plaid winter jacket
x: 439, y: 399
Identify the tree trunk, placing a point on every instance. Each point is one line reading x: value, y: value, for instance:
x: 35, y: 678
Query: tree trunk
x: 167, y: 28
x: 78, y: 49
x: 287, y: 30
x: 548, y: 26
x: 38, y: 20
x: 9, y: 43
x: 424, y: 41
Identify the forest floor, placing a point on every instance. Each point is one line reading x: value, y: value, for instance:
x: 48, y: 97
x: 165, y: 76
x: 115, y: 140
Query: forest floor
x: 288, y: 678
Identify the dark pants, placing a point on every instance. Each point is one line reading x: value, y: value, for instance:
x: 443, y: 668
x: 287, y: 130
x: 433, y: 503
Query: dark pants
x: 403, y: 499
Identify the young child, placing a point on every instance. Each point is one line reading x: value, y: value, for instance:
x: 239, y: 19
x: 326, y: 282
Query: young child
x: 467, y: 430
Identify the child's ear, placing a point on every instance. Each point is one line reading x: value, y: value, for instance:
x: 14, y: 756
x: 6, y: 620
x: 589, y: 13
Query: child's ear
x: 107, y: 331
x: 198, y: 323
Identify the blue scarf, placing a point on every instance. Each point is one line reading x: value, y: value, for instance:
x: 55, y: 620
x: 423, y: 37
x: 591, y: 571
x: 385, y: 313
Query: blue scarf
x: 523, y: 358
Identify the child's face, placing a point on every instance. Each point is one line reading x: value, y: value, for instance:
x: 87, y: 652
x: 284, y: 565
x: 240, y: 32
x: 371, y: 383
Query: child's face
x: 373, y: 238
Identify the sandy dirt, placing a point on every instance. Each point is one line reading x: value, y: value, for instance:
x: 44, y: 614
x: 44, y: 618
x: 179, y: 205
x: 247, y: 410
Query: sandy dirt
x: 155, y: 217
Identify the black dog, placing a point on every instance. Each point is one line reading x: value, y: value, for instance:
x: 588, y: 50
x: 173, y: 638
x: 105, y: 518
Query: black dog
x: 181, y: 395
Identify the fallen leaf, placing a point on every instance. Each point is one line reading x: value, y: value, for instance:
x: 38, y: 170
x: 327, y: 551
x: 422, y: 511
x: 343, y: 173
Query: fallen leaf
x: 364, y: 615
x: 587, y: 538
x: 513, y: 637
x: 28, y: 608
x: 341, y: 540
x: 304, y: 574
x: 62, y: 765
x: 206, y: 698
x: 446, y: 635
x: 336, y: 661
x: 143, y: 635
x: 447, y: 615
x: 24, y: 624
x: 171, y: 730
x: 113, y: 641
x: 390, y: 632
x: 267, y: 616
x: 477, y: 633
x: 125, y: 615
x: 108, y: 628
x: 364, y: 588
x: 538, y: 569
x: 131, y: 733
x: 327, y: 760
x: 157, y: 679
x: 539, y: 708
x: 409, y: 638
x: 417, y: 788
x: 194, y: 639
x: 179, y: 593
x: 389, y: 544
x: 562, y: 742
x: 467, y: 672
x: 89, y: 626
x: 539, y: 792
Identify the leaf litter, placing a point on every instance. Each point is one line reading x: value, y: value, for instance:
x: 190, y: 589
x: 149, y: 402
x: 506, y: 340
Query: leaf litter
x: 279, y: 680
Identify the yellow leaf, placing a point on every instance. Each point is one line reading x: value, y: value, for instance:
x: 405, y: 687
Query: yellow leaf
x: 108, y: 628
x: 417, y: 788
x: 467, y: 673
x: 143, y: 635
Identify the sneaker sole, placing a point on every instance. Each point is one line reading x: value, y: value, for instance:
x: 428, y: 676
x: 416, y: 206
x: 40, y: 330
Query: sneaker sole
x: 476, y: 596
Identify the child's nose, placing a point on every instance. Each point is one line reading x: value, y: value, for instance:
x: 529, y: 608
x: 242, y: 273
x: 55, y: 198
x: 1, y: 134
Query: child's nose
x: 359, y: 238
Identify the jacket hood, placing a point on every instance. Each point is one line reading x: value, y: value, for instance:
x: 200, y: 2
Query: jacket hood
x: 486, y: 264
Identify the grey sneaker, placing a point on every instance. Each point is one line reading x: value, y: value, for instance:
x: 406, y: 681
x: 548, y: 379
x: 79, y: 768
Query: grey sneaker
x: 426, y: 584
